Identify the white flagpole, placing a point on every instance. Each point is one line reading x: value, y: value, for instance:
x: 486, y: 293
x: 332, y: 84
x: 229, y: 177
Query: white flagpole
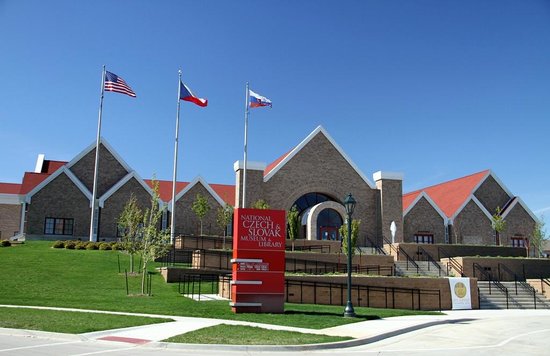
x: 95, y: 209
x: 246, y: 113
x: 173, y: 214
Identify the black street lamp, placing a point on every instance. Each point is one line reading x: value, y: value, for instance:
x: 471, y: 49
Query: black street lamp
x: 349, y: 204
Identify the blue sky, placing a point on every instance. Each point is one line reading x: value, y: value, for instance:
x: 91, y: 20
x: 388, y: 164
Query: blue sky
x: 434, y: 89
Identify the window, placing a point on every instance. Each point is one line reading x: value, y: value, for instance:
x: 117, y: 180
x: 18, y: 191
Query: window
x: 423, y: 238
x: 58, y: 226
x: 519, y: 241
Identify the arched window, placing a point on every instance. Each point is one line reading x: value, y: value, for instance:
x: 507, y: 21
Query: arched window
x: 304, y: 205
x: 328, y: 223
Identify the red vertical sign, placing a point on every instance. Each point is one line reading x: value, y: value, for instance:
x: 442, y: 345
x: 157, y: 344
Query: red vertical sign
x: 258, y: 284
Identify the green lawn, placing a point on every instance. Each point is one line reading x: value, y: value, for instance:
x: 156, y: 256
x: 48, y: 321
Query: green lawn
x: 248, y: 335
x: 36, y: 274
x: 69, y: 322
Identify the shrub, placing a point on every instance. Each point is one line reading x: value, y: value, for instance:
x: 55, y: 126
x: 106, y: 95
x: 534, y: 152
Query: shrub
x: 117, y: 247
x: 91, y: 246
x: 104, y: 246
x: 70, y: 245
x: 5, y: 243
x: 58, y: 244
x: 81, y: 245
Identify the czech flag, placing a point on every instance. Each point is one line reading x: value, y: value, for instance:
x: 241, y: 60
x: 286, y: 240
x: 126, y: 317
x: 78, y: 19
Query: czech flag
x: 187, y: 95
x: 256, y: 100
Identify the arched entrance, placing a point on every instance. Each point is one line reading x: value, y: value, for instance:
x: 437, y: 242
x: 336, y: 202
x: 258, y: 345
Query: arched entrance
x: 320, y: 215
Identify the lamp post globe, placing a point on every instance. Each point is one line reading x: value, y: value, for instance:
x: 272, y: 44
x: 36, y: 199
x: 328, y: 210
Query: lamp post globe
x: 349, y: 204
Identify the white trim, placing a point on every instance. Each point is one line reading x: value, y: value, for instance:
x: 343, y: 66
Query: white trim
x: 240, y: 304
x: 72, y: 177
x: 39, y: 163
x: 387, y: 175
x: 499, y: 182
x: 302, y: 144
x: 120, y: 184
x: 108, y: 147
x: 11, y: 199
x: 207, y: 186
x: 518, y: 200
x: 478, y: 203
x: 245, y: 260
x: 245, y: 282
x: 250, y: 165
x: 425, y: 195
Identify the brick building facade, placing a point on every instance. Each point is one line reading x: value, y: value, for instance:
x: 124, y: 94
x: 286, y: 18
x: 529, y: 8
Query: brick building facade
x: 315, y: 176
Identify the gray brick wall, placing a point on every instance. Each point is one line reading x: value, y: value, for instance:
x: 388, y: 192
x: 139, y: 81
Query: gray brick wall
x: 187, y: 223
x: 114, y: 206
x: 423, y: 217
x: 518, y: 223
x: 472, y: 226
x: 10, y: 217
x: 61, y: 198
x: 320, y: 168
x: 391, y: 203
x: 491, y: 195
x: 110, y: 170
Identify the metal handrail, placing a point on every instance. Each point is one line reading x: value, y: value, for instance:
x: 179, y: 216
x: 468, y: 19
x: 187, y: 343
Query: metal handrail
x: 409, y: 260
x: 421, y: 250
x: 503, y: 289
x: 392, y: 247
x: 453, y: 263
x: 378, y: 249
x: 500, y: 267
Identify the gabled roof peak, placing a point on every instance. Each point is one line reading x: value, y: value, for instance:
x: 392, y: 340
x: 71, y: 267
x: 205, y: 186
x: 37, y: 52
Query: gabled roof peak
x: 275, y: 166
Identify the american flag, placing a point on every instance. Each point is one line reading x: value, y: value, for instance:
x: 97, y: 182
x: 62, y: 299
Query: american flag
x: 115, y: 83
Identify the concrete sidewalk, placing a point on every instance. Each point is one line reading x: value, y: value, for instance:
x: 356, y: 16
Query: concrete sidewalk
x: 363, y: 332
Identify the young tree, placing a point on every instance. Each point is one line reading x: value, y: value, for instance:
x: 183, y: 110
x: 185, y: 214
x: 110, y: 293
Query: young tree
x: 538, y: 237
x: 200, y: 207
x: 130, y: 223
x: 292, y: 221
x: 225, y: 214
x: 155, y: 243
x: 260, y: 204
x: 354, y: 234
x: 498, y: 224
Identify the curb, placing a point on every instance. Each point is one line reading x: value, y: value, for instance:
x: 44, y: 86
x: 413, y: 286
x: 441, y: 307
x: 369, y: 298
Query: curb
x: 311, y: 347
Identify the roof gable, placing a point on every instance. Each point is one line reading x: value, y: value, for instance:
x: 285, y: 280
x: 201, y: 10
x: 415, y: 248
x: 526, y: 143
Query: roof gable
x: 275, y: 166
x: 121, y: 183
x: 198, y: 180
x: 453, y: 195
x: 51, y: 177
x: 417, y: 198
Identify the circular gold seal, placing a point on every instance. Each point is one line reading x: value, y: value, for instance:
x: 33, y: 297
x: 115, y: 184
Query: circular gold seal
x: 460, y: 290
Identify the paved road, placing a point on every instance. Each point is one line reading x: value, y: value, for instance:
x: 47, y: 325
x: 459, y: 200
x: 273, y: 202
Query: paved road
x: 461, y: 333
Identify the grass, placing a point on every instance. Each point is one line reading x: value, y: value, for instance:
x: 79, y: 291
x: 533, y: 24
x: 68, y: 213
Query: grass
x: 36, y: 274
x: 69, y: 322
x: 249, y: 335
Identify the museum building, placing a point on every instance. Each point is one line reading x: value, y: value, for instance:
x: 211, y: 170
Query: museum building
x: 54, y: 201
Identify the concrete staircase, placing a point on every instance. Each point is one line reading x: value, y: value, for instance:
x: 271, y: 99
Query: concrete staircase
x: 495, y: 298
x: 425, y: 269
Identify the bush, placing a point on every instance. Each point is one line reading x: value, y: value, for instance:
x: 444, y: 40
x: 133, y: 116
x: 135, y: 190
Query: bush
x: 70, y: 245
x: 91, y: 246
x: 117, y: 247
x: 81, y: 245
x: 5, y: 243
x: 104, y: 246
x: 58, y: 244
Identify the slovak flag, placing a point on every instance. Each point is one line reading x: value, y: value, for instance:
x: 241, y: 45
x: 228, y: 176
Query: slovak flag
x: 256, y: 100
x: 187, y: 95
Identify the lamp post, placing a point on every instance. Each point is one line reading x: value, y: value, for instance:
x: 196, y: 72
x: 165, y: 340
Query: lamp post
x: 349, y: 204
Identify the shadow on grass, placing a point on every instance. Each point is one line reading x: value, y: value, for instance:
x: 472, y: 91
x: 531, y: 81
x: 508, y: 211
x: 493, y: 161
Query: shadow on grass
x: 324, y: 313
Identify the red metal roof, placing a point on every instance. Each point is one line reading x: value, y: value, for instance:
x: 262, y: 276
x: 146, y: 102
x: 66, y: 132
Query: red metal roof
x: 51, y: 166
x: 275, y: 163
x: 10, y: 188
x: 165, y: 188
x: 31, y: 180
x: 449, y: 196
x: 226, y: 192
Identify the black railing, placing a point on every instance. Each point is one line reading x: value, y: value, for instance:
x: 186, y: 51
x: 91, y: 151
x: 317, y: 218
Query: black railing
x: 488, y: 277
x: 191, y: 285
x: 311, y: 248
x: 336, y: 294
x: 424, y: 255
x: 297, y: 265
x: 453, y: 264
x: 379, y: 250
x: 501, y: 268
